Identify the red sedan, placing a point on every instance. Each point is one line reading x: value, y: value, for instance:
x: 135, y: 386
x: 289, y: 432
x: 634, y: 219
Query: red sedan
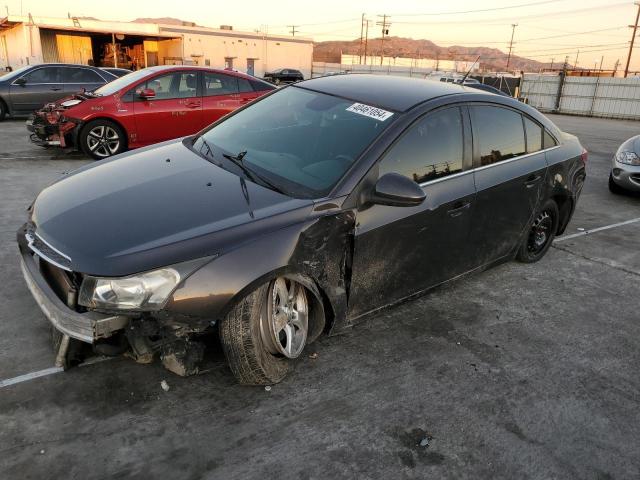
x: 142, y: 108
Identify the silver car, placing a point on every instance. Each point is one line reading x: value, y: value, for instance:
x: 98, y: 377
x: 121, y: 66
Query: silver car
x: 625, y: 167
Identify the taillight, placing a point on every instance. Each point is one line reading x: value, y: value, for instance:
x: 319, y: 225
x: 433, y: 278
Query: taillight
x: 584, y: 156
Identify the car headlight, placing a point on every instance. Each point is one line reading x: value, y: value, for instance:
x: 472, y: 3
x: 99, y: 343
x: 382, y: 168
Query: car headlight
x: 142, y: 292
x: 628, y: 158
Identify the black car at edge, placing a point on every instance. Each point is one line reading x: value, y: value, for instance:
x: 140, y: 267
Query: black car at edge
x: 296, y: 215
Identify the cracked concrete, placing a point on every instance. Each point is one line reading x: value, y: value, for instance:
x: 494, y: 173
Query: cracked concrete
x: 524, y: 371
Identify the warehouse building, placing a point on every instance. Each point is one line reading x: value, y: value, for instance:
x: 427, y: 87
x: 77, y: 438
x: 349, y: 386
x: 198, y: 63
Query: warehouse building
x: 32, y: 40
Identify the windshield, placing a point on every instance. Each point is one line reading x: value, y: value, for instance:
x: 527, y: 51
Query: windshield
x: 122, y: 82
x: 14, y: 73
x: 301, y: 141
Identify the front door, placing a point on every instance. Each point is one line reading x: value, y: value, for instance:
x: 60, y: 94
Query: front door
x: 35, y: 88
x: 399, y: 251
x: 509, y: 176
x: 176, y: 110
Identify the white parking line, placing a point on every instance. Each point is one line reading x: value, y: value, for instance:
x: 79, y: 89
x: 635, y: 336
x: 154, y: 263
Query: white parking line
x: 594, y: 230
x: 30, y: 376
x: 49, y: 371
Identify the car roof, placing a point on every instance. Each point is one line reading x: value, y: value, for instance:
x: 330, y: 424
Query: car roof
x: 164, y: 68
x: 391, y: 93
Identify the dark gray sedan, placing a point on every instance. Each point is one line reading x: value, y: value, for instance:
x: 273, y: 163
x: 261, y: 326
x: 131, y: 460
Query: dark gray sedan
x: 29, y: 88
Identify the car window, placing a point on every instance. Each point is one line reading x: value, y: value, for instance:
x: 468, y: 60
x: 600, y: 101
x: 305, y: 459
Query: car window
x: 534, y: 135
x: 244, y: 85
x: 260, y: 86
x: 173, y: 85
x: 122, y: 82
x: 431, y: 148
x: 549, y: 141
x: 81, y: 75
x: 498, y: 133
x: 219, y: 84
x: 43, y: 75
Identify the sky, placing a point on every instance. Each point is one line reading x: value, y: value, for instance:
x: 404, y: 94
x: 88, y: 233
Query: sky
x: 546, y: 29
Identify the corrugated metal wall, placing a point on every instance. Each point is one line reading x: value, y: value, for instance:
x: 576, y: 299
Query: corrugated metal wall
x: 49, y: 46
x: 591, y: 96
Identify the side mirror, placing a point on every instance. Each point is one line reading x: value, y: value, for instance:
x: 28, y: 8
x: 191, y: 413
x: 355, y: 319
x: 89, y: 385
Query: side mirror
x: 147, y: 93
x: 21, y: 81
x: 397, y: 190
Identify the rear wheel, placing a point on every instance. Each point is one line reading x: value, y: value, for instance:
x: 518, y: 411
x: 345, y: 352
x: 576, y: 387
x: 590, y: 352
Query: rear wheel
x: 541, y: 233
x: 3, y: 110
x: 265, y: 331
x: 614, y: 187
x: 102, y: 138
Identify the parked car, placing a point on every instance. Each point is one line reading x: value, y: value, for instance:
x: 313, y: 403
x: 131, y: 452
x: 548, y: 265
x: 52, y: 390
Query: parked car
x: 118, y: 72
x: 296, y: 215
x: 144, y: 107
x: 284, y: 75
x: 624, y: 175
x: 27, y: 89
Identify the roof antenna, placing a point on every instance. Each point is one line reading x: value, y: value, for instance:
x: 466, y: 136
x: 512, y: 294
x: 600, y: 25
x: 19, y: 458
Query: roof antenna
x: 467, y: 74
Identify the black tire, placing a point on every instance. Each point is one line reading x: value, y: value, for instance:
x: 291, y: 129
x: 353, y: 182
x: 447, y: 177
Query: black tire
x: 251, y: 349
x: 540, y: 235
x: 614, y: 187
x: 99, y: 146
x: 3, y: 110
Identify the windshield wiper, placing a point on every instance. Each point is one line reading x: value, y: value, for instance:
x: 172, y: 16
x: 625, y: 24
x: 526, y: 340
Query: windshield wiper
x: 256, y: 177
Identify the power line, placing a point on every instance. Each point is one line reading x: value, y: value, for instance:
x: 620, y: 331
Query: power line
x: 461, y: 12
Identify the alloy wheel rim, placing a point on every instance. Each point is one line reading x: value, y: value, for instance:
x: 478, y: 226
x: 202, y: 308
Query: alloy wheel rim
x: 103, y: 141
x: 284, y: 328
x: 540, y: 233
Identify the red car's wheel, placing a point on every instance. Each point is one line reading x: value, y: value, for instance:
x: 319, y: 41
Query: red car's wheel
x: 102, y: 138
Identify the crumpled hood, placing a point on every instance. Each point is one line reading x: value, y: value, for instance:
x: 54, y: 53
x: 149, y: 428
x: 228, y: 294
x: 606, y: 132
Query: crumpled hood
x: 155, y: 207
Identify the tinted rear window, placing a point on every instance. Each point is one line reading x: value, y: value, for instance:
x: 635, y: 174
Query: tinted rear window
x: 534, y: 135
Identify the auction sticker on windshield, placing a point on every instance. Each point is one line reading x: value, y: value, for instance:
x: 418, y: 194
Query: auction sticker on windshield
x: 369, y: 111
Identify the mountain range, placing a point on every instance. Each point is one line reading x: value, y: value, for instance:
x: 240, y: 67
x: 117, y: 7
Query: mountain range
x: 490, y: 58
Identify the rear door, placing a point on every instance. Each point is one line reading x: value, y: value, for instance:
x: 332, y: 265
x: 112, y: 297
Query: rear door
x: 509, y: 175
x: 42, y: 85
x: 176, y: 110
x: 77, y: 78
x: 221, y: 95
x: 399, y: 251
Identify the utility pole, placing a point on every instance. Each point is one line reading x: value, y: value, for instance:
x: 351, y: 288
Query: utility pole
x: 361, y: 40
x: 385, y: 31
x: 601, y: 60
x: 551, y: 67
x: 513, y: 31
x: 615, y: 68
x: 366, y: 39
x: 633, y: 37
x: 293, y: 30
x: 575, y: 64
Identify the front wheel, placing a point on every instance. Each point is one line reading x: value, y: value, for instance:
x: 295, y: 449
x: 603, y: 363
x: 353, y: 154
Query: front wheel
x: 265, y: 331
x: 102, y: 138
x: 541, y: 233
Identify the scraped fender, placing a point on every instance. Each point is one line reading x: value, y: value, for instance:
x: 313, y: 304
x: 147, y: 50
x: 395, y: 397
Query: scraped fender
x: 317, y: 253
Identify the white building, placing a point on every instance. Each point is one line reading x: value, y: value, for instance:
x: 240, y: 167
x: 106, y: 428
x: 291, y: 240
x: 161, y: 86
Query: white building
x: 29, y: 40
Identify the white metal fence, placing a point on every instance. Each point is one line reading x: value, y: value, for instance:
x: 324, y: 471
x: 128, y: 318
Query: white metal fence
x: 591, y: 96
x: 320, y: 69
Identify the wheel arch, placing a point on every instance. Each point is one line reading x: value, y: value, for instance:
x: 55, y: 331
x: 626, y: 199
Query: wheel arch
x: 110, y: 119
x: 565, y: 204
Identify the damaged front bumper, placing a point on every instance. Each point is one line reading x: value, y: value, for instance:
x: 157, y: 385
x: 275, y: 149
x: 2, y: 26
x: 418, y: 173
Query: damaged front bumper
x: 87, y: 327
x: 48, y: 129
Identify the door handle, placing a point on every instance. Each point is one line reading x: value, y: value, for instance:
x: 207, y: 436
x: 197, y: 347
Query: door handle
x: 55, y: 89
x: 193, y: 105
x: 458, y: 209
x: 532, y: 180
